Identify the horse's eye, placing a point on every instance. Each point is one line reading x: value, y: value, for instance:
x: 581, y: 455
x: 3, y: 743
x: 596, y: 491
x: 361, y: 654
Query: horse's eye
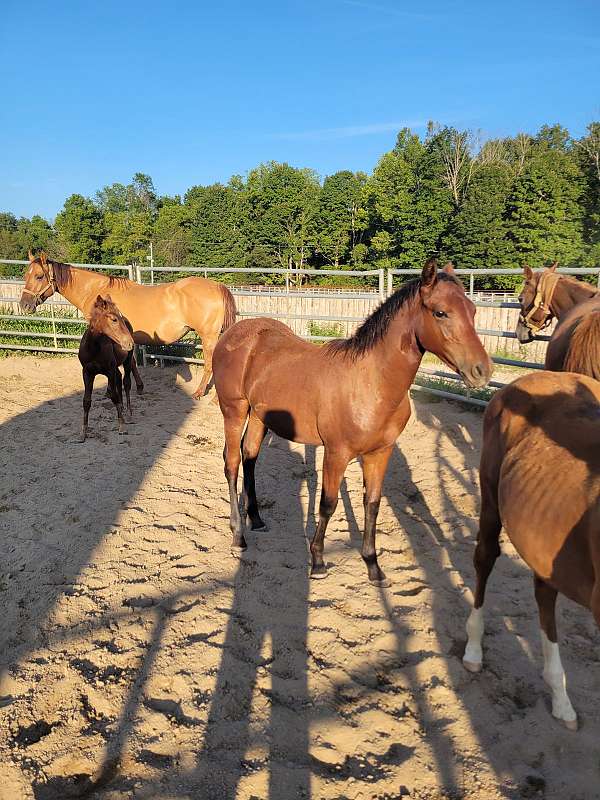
x: 440, y: 314
x: 114, y: 319
x: 38, y: 277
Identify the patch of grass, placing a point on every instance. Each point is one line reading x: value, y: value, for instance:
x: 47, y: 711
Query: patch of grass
x: 454, y: 387
x: 333, y: 329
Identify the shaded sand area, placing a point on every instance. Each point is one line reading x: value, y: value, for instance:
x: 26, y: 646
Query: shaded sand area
x: 139, y: 658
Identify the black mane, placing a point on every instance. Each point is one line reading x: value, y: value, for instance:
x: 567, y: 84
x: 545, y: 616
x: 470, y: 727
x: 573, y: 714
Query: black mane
x: 376, y: 325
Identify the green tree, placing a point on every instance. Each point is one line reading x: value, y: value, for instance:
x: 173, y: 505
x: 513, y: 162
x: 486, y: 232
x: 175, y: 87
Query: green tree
x: 282, y: 205
x: 477, y: 235
x: 171, y: 233
x: 409, y: 199
x: 340, y: 218
x: 216, y: 235
x: 129, y: 215
x: 587, y: 153
x: 80, y: 230
x: 544, y: 211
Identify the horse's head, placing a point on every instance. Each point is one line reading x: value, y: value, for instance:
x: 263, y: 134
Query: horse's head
x: 535, y: 301
x: 40, y: 283
x: 447, y: 326
x: 107, y: 319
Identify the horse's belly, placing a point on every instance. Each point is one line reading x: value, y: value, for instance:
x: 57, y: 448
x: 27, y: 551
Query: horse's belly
x: 545, y: 515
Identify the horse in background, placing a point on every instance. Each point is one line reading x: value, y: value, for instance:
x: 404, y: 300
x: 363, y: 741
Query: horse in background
x: 350, y: 395
x: 575, y: 343
x: 159, y: 314
x: 106, y: 344
x: 540, y: 480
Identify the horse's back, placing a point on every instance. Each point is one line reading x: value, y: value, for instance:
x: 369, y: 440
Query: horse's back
x: 543, y: 433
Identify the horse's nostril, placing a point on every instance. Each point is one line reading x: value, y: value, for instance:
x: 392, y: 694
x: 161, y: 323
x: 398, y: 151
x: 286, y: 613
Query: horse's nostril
x: 478, y: 370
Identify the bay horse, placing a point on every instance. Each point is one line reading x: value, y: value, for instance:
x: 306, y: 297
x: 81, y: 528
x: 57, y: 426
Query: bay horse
x: 350, y: 395
x: 159, y: 314
x: 575, y: 343
x: 540, y: 480
x: 106, y: 344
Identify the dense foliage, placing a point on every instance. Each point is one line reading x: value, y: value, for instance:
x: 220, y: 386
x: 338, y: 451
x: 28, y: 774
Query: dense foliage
x: 523, y: 199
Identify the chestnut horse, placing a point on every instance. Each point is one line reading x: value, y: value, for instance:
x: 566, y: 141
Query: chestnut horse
x: 575, y: 344
x: 106, y: 344
x: 349, y: 395
x: 159, y: 314
x: 540, y: 479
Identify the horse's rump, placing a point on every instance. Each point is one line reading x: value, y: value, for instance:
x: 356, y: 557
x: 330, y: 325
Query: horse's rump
x: 583, y: 354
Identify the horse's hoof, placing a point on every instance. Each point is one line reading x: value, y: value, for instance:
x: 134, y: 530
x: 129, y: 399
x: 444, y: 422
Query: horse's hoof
x: 259, y: 527
x: 318, y: 573
x: 571, y: 724
x: 237, y: 550
x: 472, y: 666
x: 381, y: 583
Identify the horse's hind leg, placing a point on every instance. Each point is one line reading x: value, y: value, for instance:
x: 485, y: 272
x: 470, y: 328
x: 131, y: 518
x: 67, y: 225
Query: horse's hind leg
x: 253, y: 438
x: 334, y: 466
x: 235, y: 416
x: 486, y: 553
x: 88, y: 382
x: 139, y: 383
x: 554, y: 674
x: 374, y: 467
x: 209, y: 342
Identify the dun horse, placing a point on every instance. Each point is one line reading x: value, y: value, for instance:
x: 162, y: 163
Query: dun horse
x: 106, y: 344
x: 575, y: 343
x: 540, y: 479
x: 159, y: 314
x: 350, y: 395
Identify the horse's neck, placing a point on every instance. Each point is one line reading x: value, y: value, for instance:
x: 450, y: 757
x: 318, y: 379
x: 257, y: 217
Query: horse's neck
x: 397, y: 356
x: 80, y: 286
x: 569, y: 294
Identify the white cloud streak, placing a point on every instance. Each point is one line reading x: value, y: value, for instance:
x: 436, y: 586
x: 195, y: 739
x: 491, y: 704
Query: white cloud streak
x: 351, y: 131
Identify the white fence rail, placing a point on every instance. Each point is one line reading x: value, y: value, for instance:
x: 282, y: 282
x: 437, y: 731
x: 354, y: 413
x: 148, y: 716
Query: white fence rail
x: 317, y: 313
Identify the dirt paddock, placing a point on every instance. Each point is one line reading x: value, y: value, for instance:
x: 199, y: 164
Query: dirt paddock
x: 139, y: 658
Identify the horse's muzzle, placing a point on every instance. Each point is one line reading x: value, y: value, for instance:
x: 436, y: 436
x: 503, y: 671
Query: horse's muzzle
x: 523, y: 333
x: 28, y: 305
x: 477, y: 375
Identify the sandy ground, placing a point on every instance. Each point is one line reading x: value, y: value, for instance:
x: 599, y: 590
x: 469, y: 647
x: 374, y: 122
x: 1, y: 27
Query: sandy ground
x: 141, y: 659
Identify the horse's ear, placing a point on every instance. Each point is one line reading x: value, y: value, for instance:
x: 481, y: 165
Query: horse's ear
x: 528, y: 272
x: 429, y: 274
x: 100, y: 301
x: 449, y: 268
x: 43, y: 259
x: 553, y: 266
x: 30, y: 255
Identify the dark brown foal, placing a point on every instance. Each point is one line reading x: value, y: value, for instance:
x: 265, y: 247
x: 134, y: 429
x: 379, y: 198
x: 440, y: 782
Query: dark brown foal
x: 540, y: 480
x: 350, y: 395
x: 106, y: 345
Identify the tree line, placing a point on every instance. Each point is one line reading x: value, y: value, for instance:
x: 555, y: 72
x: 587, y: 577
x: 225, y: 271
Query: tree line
x: 497, y: 204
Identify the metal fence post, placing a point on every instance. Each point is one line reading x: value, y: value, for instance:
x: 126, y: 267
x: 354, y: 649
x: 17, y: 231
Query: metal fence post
x: 471, y: 284
x: 390, y: 282
x: 381, y: 279
x: 53, y: 325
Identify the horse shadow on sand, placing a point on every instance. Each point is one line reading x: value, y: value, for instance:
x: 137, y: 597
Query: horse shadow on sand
x: 61, y: 498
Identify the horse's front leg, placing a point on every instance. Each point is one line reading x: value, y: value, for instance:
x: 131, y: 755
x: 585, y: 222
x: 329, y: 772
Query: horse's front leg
x: 334, y: 466
x: 115, y: 388
x: 127, y: 380
x: 374, y: 466
x: 88, y: 382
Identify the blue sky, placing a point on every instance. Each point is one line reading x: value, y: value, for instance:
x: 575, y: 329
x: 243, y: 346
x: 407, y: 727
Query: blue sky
x: 193, y: 92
